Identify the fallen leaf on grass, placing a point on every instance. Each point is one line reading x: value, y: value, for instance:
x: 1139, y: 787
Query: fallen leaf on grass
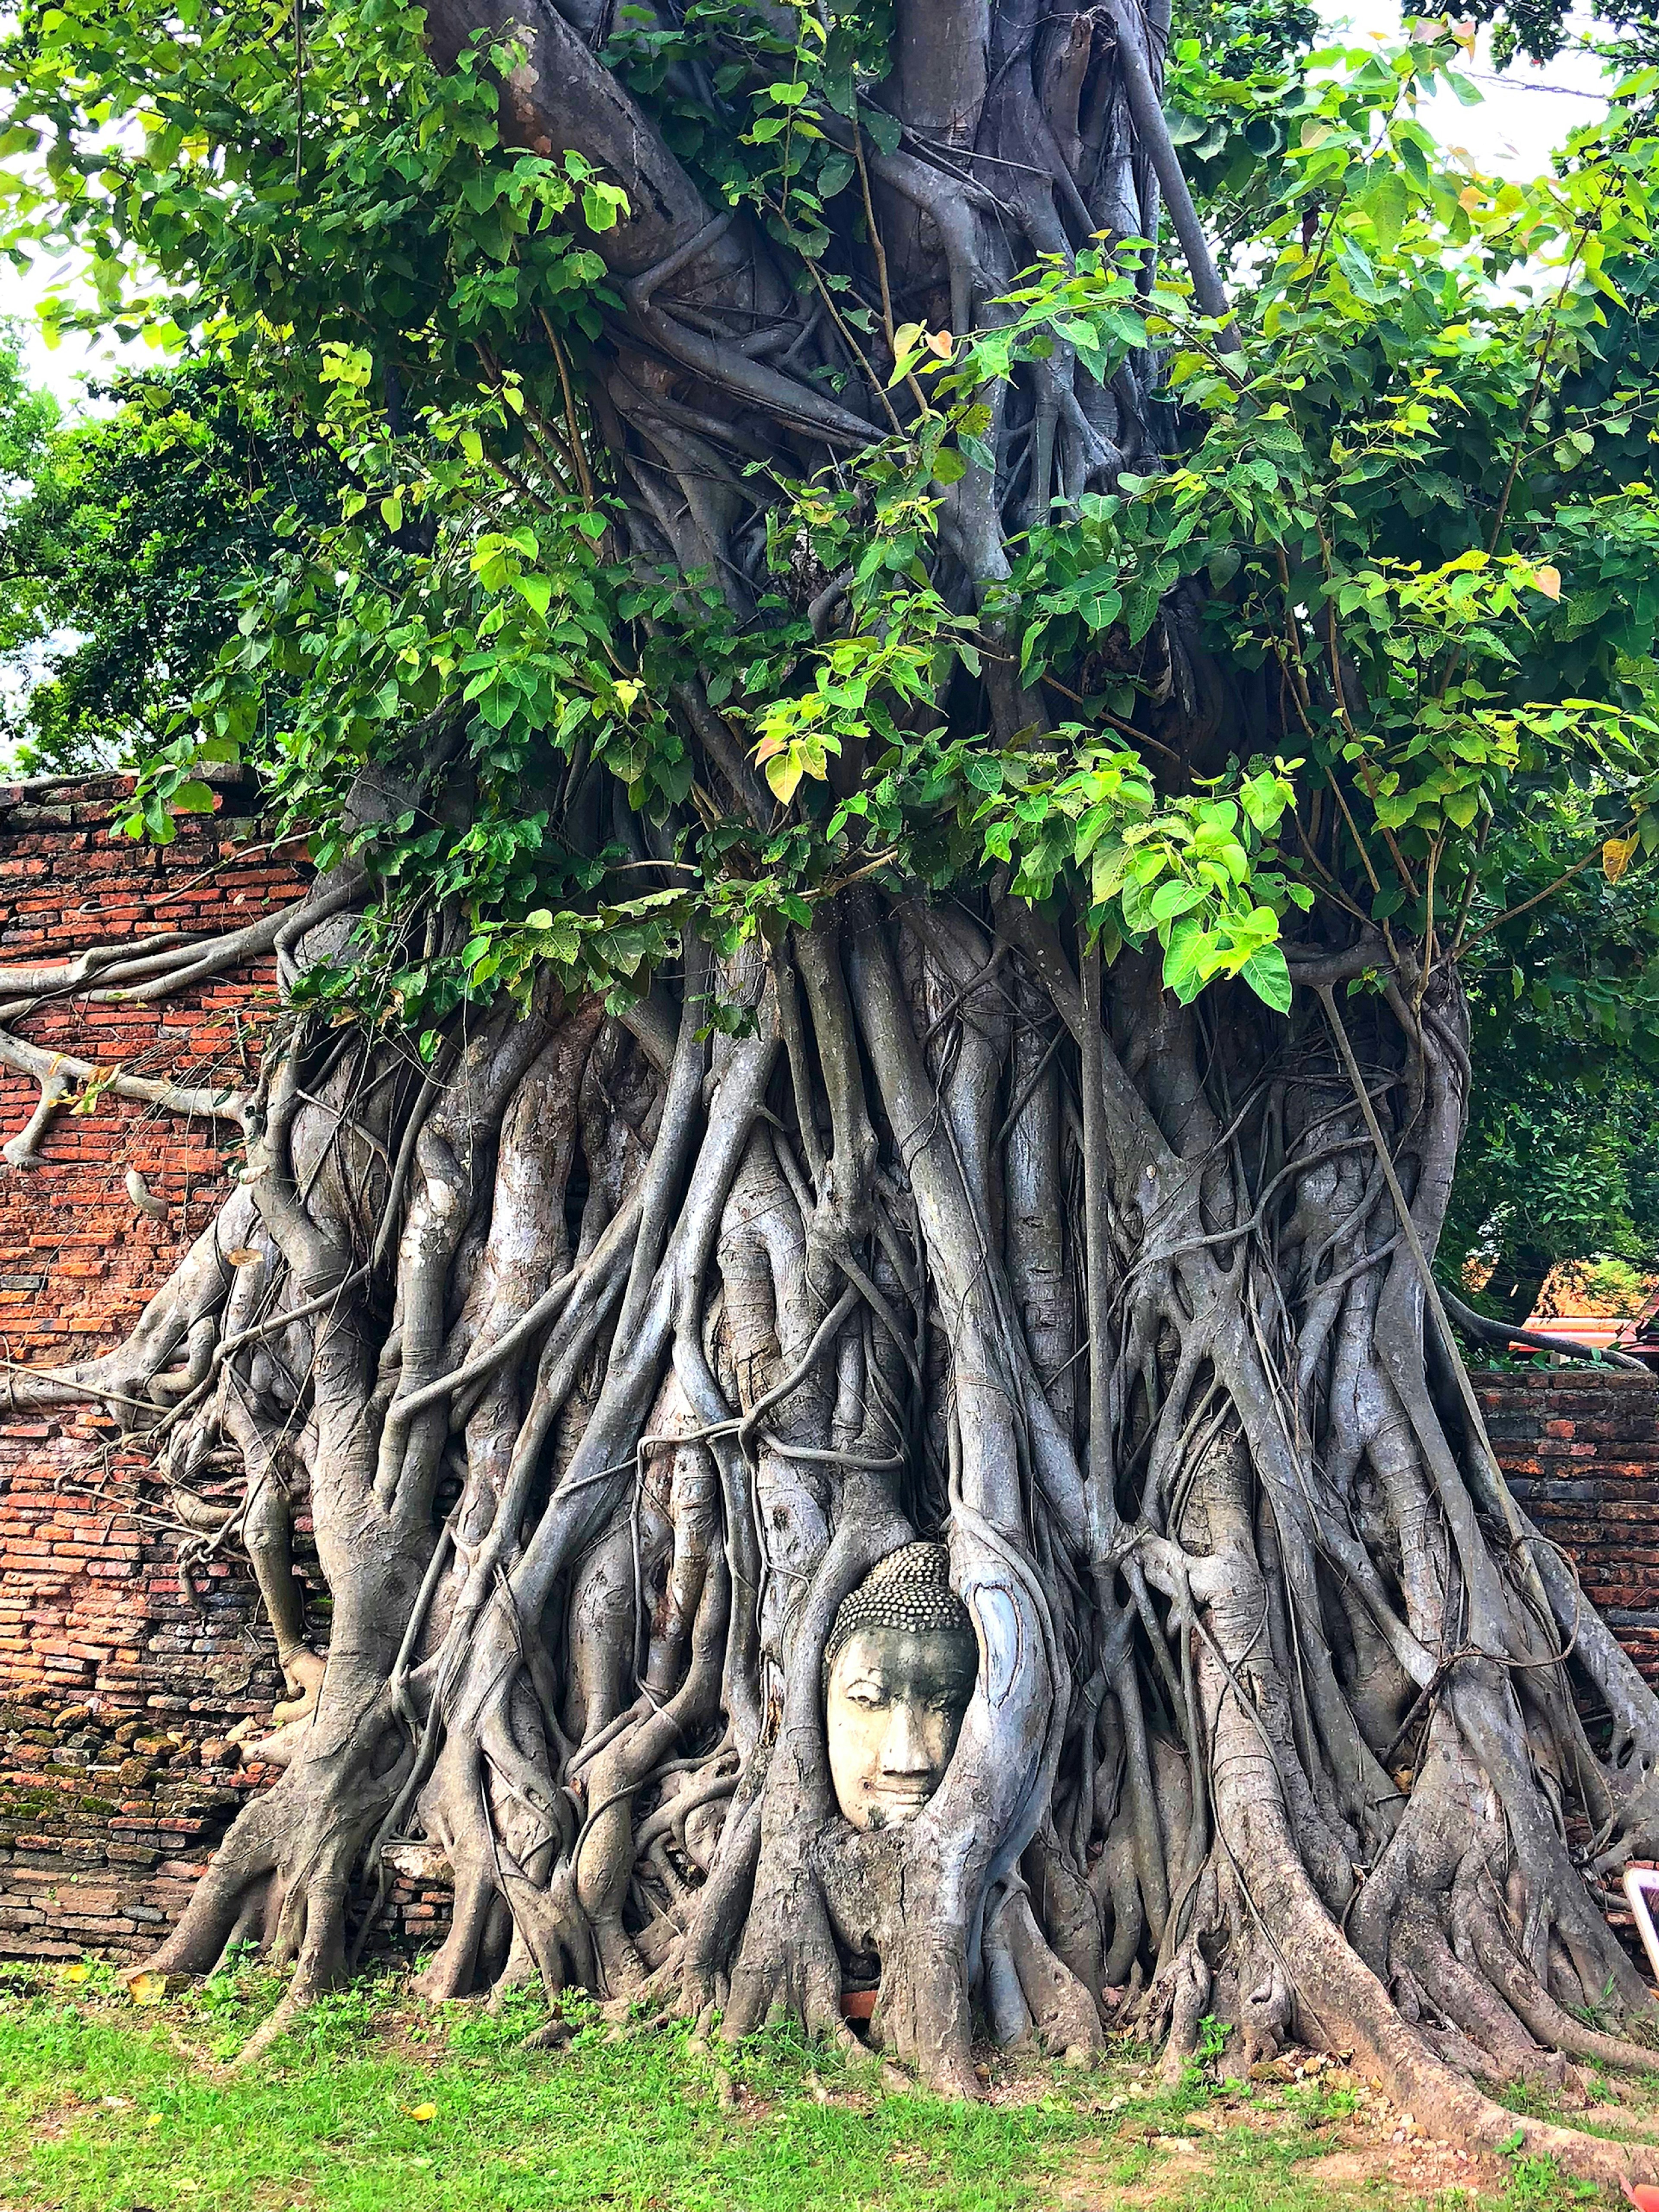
x: 421, y: 2113
x: 148, y: 1989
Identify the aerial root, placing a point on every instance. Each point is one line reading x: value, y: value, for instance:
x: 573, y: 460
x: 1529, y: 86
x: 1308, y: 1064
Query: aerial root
x: 142, y: 971
x: 57, y: 1084
x: 1188, y: 2000
x: 269, y: 2031
x: 594, y: 1682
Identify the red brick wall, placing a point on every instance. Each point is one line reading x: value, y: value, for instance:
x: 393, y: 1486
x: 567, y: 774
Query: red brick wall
x: 112, y: 1673
x: 1581, y: 1450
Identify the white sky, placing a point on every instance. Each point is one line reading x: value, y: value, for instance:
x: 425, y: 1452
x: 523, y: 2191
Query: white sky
x: 1525, y: 114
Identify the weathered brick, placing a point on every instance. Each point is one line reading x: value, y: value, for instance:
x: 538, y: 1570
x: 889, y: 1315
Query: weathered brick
x: 85, y: 1587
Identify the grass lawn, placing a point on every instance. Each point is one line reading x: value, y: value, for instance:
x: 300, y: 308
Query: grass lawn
x: 376, y: 2103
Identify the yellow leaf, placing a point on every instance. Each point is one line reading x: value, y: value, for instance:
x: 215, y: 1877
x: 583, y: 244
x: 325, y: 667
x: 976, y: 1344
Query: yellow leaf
x: 154, y: 2121
x: 1471, y: 198
x: 93, y: 1089
x: 243, y: 1256
x: 76, y: 1973
x: 783, y: 773
x: 421, y: 2113
x: 148, y: 1989
x: 1548, y: 582
x: 1616, y: 855
x: 942, y: 343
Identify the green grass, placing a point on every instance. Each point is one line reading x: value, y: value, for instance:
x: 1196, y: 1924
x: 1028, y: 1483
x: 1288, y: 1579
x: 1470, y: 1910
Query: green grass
x: 106, y: 2107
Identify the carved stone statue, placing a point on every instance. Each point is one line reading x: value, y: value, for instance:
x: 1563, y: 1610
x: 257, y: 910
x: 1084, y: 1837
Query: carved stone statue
x: 899, y: 1670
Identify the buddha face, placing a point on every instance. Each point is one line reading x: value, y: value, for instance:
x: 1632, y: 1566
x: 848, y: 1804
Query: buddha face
x: 896, y: 1700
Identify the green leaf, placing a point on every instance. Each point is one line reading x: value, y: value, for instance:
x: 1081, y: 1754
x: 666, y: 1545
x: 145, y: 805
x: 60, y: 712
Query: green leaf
x: 883, y: 128
x: 1186, y: 963
x: 1388, y: 205
x: 1175, y: 897
x: 1263, y: 799
x: 835, y: 173
x: 1108, y: 868
x: 1269, y: 975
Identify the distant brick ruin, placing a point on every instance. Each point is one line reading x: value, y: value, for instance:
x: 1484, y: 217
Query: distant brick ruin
x: 118, y: 1681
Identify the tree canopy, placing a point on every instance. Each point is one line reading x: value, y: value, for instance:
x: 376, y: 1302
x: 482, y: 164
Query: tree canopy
x: 1416, y: 446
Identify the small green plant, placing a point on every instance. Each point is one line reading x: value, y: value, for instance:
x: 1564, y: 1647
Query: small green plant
x: 339, y: 2020
x: 228, y: 1988
x: 1538, y: 2185
x: 1212, y: 2035
x: 479, y: 2031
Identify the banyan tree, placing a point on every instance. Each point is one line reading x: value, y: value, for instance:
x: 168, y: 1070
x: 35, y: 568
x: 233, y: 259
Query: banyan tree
x: 915, y: 731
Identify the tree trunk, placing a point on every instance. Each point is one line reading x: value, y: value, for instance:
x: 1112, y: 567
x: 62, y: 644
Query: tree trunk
x: 616, y: 1351
x: 1517, y: 1282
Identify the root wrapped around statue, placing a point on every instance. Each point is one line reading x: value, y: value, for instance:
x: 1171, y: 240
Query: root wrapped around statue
x: 844, y: 1267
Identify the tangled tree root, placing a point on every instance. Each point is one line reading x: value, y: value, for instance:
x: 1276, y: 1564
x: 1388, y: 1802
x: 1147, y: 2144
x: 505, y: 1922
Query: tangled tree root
x: 608, y: 1363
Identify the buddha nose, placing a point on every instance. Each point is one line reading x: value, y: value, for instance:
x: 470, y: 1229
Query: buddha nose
x: 905, y: 1750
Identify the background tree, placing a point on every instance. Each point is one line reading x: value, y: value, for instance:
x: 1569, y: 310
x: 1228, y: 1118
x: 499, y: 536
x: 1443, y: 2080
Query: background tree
x: 126, y: 546
x: 27, y: 416
x: 1556, y: 1165
x: 915, y: 796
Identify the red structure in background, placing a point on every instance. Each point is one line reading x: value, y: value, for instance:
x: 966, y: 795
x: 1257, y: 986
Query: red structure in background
x: 112, y: 1675
x: 1636, y: 1333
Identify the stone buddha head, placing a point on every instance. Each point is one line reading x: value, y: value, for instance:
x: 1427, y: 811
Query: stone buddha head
x: 899, y: 1670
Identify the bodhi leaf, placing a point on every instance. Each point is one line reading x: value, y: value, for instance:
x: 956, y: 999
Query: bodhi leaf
x: 1269, y: 975
x: 1617, y: 853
